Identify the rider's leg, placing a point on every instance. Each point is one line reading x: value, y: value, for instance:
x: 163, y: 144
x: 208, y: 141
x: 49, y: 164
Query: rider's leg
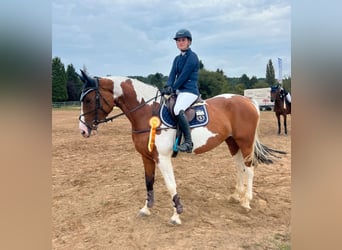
x: 184, y: 100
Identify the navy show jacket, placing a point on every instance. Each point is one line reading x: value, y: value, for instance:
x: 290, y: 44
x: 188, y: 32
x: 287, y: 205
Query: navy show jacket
x: 184, y: 73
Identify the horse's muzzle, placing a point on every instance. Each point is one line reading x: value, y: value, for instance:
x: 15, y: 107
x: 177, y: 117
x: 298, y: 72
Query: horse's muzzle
x: 87, y: 131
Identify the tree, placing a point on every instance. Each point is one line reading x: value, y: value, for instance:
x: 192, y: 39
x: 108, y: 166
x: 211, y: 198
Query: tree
x: 220, y: 71
x: 157, y: 80
x: 239, y: 88
x: 270, y: 75
x: 201, y: 65
x: 59, y: 83
x: 287, y: 84
x: 261, y: 84
x: 74, y: 84
x: 244, y: 79
x: 211, y: 83
x: 253, y: 81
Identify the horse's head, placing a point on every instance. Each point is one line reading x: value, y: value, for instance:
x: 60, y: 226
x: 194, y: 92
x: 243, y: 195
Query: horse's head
x: 97, y: 102
x: 275, y: 92
x: 278, y: 93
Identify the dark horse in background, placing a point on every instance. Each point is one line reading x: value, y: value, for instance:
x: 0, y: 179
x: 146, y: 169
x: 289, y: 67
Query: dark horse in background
x: 281, y: 105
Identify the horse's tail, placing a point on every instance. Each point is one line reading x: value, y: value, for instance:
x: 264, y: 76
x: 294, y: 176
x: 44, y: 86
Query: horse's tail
x: 264, y: 154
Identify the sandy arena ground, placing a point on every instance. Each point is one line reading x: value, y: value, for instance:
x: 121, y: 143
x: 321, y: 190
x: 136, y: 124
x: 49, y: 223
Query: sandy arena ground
x: 99, y: 187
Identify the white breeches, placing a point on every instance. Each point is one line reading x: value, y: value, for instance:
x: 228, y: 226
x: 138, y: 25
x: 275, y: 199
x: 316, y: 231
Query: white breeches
x: 184, y: 100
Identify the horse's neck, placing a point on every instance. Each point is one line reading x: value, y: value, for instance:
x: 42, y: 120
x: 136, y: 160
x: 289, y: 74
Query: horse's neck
x: 130, y: 95
x: 280, y: 103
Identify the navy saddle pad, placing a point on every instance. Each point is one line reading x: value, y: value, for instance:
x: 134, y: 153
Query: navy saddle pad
x: 200, y: 118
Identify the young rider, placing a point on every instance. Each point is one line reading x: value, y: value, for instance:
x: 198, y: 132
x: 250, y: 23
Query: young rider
x: 183, y: 80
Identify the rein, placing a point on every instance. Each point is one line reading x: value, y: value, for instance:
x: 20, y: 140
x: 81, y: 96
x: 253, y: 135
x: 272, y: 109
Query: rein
x: 129, y: 111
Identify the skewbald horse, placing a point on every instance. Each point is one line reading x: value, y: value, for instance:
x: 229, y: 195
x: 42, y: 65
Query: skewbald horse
x: 233, y: 119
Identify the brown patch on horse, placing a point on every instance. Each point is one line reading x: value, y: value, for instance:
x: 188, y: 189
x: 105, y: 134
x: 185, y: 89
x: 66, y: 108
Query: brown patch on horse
x: 106, y: 90
x: 139, y: 121
x: 240, y: 119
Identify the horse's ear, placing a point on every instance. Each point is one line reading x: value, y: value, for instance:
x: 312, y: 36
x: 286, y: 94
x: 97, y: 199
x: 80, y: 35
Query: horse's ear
x: 84, y: 76
x: 89, y: 82
x: 81, y: 77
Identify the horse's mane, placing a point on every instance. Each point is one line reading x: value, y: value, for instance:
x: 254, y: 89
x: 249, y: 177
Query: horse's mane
x: 143, y: 90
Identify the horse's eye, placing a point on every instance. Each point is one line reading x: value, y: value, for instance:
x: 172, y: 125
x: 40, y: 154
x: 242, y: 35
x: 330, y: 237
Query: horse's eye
x: 87, y: 101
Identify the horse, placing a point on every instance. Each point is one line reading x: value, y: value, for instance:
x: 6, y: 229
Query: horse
x: 281, y: 105
x: 233, y: 119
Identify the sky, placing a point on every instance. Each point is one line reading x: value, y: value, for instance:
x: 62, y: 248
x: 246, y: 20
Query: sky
x: 135, y: 37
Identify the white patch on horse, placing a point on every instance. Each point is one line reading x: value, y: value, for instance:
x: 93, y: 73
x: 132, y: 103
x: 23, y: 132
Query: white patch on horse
x: 165, y: 167
x: 164, y: 141
x: 200, y: 136
x: 256, y: 105
x: 117, y: 80
x: 142, y: 90
x: 81, y: 125
x: 82, y: 117
x: 225, y: 96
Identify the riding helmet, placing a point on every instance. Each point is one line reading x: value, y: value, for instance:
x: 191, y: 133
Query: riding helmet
x: 183, y: 33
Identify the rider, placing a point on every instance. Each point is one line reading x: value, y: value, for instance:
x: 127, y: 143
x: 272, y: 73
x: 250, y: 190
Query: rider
x: 284, y: 93
x: 183, y: 80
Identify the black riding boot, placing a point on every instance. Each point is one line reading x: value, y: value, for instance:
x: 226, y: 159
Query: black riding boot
x: 187, y: 145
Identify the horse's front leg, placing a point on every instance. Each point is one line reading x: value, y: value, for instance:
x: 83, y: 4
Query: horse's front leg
x: 149, y: 166
x: 165, y: 166
x: 279, y: 125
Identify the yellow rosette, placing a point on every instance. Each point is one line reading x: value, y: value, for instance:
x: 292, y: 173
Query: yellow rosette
x: 154, y: 124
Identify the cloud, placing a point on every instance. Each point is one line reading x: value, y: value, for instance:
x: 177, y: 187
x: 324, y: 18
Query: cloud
x: 135, y: 37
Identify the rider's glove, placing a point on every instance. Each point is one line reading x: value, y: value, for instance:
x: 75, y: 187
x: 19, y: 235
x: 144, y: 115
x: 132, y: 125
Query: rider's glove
x: 167, y: 90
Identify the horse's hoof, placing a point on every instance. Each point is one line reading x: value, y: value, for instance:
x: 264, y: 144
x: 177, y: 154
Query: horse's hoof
x: 246, y: 208
x: 175, y: 220
x: 142, y: 215
x: 245, y: 204
x: 144, y: 212
x: 234, y: 198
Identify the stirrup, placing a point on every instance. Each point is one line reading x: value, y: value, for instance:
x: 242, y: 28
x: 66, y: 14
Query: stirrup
x: 185, y: 147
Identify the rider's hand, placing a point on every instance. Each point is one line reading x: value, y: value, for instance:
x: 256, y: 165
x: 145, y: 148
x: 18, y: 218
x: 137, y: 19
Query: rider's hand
x: 167, y: 90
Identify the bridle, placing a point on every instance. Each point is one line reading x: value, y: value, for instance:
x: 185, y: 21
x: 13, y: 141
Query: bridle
x: 98, y: 106
x: 276, y: 91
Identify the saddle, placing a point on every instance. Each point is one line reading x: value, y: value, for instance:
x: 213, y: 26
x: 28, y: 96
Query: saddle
x: 196, y: 114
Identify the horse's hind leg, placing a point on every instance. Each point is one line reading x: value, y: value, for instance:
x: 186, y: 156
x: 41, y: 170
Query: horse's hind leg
x: 244, y: 177
x: 244, y: 186
x: 149, y: 166
x: 240, y: 182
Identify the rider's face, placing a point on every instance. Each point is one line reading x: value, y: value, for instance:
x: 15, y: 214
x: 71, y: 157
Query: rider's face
x: 183, y: 43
